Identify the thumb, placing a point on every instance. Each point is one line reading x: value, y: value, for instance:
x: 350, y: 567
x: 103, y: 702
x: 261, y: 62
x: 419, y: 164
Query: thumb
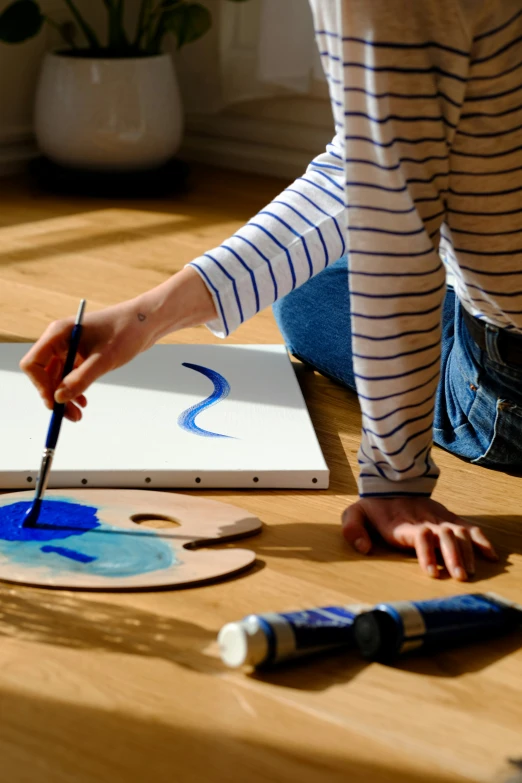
x: 79, y: 379
x: 354, y: 529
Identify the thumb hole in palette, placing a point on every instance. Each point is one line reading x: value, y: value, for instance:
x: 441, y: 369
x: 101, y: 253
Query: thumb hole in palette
x: 155, y: 521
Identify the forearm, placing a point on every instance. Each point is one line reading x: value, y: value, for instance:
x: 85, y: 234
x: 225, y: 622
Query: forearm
x: 180, y: 302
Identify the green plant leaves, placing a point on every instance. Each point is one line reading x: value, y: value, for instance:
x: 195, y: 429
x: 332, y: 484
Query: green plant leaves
x: 117, y: 37
x: 20, y: 20
x: 86, y: 29
x: 187, y: 22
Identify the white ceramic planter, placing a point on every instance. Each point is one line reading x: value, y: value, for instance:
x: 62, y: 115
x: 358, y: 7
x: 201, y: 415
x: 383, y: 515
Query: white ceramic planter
x: 108, y: 114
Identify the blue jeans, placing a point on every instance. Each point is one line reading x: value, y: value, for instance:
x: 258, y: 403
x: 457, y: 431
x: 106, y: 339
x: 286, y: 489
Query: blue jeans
x: 478, y: 412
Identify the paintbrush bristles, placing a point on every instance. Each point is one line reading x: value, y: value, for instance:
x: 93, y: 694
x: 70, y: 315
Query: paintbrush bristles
x: 31, y: 518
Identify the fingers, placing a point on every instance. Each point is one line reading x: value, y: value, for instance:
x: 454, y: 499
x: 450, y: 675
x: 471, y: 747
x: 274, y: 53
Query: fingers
x: 423, y: 525
x: 451, y: 554
x: 79, y: 380
x: 466, y: 538
x: 456, y: 542
x: 354, y: 530
x: 72, y: 412
x: 465, y: 544
x: 453, y: 541
x: 54, y: 370
x: 51, y: 345
x: 425, y: 547
x: 44, y: 385
x: 482, y: 543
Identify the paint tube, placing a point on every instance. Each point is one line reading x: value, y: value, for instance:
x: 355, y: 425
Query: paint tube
x: 392, y: 629
x: 268, y: 639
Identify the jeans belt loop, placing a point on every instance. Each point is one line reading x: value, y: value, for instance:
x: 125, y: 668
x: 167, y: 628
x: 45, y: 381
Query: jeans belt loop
x: 492, y: 349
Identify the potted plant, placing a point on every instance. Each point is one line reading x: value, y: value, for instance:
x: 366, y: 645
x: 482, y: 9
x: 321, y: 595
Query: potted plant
x: 113, y: 104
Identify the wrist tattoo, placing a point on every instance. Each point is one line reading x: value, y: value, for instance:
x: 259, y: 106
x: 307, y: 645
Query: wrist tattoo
x: 142, y: 317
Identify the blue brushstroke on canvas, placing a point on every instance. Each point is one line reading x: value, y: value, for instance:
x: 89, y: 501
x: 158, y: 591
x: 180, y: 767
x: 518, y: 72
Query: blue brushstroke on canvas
x: 187, y: 419
x: 99, y: 549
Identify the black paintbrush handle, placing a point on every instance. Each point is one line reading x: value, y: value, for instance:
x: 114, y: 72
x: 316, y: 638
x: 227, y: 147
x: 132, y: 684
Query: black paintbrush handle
x: 59, y: 408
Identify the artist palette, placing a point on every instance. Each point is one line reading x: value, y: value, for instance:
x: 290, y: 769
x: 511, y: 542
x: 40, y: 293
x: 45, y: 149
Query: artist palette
x: 104, y: 540
x: 177, y: 416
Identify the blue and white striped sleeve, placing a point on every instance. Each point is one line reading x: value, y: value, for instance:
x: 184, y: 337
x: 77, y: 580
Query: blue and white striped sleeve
x: 398, y: 75
x: 292, y: 239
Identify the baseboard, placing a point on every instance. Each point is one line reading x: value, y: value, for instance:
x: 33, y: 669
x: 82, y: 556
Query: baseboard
x: 257, y: 157
x: 15, y: 156
x: 225, y: 153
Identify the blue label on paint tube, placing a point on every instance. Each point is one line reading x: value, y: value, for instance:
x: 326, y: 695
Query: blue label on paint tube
x: 405, y: 626
x: 457, y: 619
x: 451, y: 614
x: 325, y: 627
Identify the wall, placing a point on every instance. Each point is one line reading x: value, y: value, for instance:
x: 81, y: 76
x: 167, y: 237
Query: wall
x: 277, y: 136
x: 272, y: 135
x: 19, y: 66
x: 269, y: 135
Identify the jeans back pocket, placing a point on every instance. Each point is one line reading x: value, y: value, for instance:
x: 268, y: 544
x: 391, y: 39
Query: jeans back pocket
x: 504, y: 451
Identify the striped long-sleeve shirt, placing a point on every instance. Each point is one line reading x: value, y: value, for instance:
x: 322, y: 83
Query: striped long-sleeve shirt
x: 426, y: 165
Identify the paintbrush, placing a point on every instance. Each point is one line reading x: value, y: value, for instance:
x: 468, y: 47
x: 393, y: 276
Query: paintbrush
x: 31, y: 518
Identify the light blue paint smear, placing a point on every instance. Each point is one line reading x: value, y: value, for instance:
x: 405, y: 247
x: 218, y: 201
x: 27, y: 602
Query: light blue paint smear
x: 187, y: 419
x: 98, y: 549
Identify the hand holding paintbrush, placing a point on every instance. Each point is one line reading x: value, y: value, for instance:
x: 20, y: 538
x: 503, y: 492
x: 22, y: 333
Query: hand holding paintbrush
x: 114, y: 336
x: 53, y: 432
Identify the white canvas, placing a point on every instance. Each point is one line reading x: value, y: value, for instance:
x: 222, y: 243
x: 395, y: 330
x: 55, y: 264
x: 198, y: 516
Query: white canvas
x: 130, y: 435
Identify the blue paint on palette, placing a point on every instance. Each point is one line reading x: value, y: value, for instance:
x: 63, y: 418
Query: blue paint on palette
x: 99, y: 549
x: 70, y: 553
x: 187, y: 419
x: 58, y: 519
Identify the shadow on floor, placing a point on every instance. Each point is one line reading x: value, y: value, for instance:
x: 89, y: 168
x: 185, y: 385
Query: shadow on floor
x: 64, y: 620
x: 463, y: 660
x: 319, y: 673
x: 323, y: 542
x: 78, y: 623
x: 315, y: 673
x: 49, y: 740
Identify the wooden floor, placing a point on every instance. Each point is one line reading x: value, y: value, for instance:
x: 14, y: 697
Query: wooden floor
x: 129, y: 688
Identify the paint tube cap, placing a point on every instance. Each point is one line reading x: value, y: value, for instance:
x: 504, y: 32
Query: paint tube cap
x: 243, y: 642
x: 377, y: 635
